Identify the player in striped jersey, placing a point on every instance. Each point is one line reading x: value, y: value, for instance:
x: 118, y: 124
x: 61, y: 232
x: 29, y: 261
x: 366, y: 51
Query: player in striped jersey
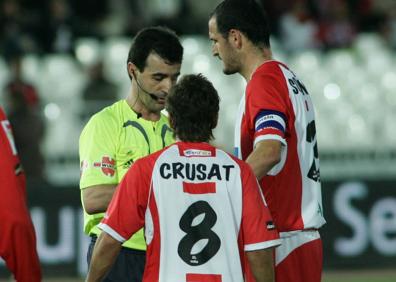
x: 17, y: 238
x: 275, y: 133
x: 202, y: 208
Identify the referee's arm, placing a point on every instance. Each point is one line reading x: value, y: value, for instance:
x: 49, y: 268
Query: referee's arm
x: 97, y: 198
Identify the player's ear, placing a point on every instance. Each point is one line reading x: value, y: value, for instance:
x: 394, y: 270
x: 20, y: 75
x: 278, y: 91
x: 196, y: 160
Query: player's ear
x: 235, y: 38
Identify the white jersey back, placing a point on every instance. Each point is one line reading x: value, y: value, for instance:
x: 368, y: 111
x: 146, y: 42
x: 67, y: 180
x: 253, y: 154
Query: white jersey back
x: 191, y: 198
x: 209, y: 203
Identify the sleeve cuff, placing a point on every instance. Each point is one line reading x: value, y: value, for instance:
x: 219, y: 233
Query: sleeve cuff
x: 104, y: 227
x: 269, y: 137
x: 278, y: 167
x: 263, y: 245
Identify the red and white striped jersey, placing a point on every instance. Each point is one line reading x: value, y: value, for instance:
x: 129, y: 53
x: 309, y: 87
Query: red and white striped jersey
x: 12, y: 177
x: 201, y: 209
x: 277, y: 106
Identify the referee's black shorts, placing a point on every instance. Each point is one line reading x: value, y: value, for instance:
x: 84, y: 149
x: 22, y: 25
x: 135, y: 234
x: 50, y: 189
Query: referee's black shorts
x: 128, y: 267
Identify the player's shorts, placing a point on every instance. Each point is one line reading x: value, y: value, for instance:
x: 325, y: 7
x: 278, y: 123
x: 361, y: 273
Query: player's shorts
x: 299, y: 258
x: 128, y: 267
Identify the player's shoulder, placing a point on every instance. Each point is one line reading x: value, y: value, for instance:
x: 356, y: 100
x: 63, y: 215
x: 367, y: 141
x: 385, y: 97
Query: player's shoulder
x: 241, y: 164
x: 269, y: 70
x: 269, y: 77
x: 147, y: 163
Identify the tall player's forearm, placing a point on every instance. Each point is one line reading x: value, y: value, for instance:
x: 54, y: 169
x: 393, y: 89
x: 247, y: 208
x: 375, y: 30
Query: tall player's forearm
x: 97, y: 198
x: 264, y: 157
x: 262, y: 265
x: 104, y: 254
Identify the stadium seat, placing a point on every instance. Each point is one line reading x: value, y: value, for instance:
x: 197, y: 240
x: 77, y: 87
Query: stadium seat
x: 115, y: 55
x: 88, y: 51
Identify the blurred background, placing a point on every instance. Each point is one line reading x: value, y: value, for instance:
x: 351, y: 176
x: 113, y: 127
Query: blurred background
x: 63, y: 60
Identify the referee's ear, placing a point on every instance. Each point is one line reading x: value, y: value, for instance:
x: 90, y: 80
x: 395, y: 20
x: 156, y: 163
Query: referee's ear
x: 131, y: 67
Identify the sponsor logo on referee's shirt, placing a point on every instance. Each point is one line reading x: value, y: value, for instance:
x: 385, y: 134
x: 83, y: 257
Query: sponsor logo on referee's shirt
x: 107, y: 165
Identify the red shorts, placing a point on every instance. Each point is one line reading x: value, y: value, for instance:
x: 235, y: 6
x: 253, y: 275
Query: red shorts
x: 299, y: 258
x: 18, y: 246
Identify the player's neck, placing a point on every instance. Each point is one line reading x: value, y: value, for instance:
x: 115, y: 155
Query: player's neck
x: 254, y: 59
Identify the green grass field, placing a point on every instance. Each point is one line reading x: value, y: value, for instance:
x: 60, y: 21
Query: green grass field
x: 360, y: 276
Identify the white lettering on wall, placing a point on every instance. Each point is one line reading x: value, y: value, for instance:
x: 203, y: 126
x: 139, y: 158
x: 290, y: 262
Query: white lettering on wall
x: 352, y: 217
x: 382, y: 223
x: 64, y: 249
x: 377, y: 228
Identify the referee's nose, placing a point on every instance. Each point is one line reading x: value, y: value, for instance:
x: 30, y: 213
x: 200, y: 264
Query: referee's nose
x: 167, y: 84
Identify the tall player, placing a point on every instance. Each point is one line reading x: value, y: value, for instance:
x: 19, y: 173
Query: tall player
x: 202, y: 209
x: 275, y: 134
x: 17, y: 237
x: 124, y: 132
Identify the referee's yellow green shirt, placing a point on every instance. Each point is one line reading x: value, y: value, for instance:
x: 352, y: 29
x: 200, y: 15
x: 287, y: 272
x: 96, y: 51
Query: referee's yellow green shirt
x: 111, y: 141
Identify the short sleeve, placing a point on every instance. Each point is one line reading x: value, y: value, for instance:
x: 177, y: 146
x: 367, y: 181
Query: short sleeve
x: 266, y: 107
x: 126, y: 212
x: 97, y: 150
x: 259, y: 231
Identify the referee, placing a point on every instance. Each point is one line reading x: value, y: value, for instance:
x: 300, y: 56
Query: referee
x: 124, y: 132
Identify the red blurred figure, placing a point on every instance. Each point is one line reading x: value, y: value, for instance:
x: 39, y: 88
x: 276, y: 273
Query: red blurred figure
x: 22, y: 107
x: 18, y: 84
x: 17, y: 237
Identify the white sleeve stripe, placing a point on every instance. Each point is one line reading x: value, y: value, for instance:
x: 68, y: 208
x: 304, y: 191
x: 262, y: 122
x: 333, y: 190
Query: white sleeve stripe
x: 111, y: 232
x: 269, y: 137
x: 263, y: 245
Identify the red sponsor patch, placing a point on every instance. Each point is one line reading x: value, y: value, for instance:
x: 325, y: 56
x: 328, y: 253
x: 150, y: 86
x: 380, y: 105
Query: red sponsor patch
x: 199, y: 188
x: 107, y: 166
x: 195, y: 277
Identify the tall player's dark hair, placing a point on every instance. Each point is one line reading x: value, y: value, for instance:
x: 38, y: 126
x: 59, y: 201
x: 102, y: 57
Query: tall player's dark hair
x: 247, y: 16
x: 193, y: 107
x: 159, y: 40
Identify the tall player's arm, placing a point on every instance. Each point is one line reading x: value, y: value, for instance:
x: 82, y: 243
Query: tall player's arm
x: 265, y: 155
x: 96, y: 143
x: 265, y: 110
x: 262, y: 264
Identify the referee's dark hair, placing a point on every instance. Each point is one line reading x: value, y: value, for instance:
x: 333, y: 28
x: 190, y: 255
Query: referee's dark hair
x: 247, y: 16
x: 193, y: 107
x: 159, y: 40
